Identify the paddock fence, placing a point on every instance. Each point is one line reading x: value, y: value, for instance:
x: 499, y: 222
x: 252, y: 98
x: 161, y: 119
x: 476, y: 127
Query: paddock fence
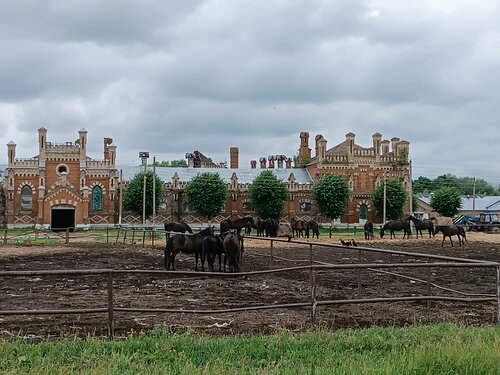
x: 312, y: 304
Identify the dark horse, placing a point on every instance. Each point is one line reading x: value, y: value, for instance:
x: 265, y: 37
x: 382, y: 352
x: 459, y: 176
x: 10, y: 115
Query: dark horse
x: 176, y: 226
x: 396, y: 225
x: 237, y: 224
x: 212, y: 247
x: 314, y: 226
x: 233, y: 247
x: 368, y: 228
x: 422, y: 224
x: 187, y: 243
x: 451, y: 230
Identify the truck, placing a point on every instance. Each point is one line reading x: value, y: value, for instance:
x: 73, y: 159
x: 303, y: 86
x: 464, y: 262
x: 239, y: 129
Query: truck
x: 486, y: 222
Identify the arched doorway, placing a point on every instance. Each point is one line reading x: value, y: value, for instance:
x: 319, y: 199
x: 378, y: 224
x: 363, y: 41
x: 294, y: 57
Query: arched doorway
x: 62, y: 217
x: 363, y: 213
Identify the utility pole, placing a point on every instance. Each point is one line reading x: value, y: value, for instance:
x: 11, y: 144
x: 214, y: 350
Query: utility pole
x: 120, y: 204
x: 474, y: 197
x: 154, y: 192
x: 411, y: 191
x: 385, y: 197
x: 144, y: 158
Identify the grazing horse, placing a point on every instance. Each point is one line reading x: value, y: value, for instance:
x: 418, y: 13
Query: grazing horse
x: 368, y: 228
x: 187, y: 243
x: 422, y: 224
x: 238, y: 224
x: 233, y: 248
x: 314, y: 226
x: 451, y: 230
x: 176, y: 226
x: 212, y: 247
x: 396, y: 225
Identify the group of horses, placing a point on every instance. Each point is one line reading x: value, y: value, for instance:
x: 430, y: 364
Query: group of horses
x: 205, y: 245
x: 420, y: 225
x: 301, y: 228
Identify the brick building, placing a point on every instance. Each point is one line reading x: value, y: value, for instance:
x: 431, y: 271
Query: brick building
x: 61, y: 186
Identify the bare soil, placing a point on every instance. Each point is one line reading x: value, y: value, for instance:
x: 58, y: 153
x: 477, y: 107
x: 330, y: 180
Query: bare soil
x: 205, y: 293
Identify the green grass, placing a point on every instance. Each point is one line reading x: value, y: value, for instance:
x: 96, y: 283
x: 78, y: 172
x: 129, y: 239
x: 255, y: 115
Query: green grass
x: 440, y: 349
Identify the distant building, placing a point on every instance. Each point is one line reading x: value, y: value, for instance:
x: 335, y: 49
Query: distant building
x: 63, y: 187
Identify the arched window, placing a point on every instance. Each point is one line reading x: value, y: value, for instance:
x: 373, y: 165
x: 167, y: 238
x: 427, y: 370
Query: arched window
x: 96, y: 199
x: 26, y: 198
x: 305, y: 207
x: 363, y: 212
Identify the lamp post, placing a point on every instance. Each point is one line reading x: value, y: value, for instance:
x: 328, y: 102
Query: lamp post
x: 144, y: 159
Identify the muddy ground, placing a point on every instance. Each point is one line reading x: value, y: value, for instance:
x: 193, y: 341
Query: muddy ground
x: 203, y: 293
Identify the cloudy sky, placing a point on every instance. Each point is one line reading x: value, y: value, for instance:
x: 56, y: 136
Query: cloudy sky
x: 171, y: 77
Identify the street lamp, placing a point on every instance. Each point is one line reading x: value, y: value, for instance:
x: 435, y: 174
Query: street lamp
x: 144, y: 159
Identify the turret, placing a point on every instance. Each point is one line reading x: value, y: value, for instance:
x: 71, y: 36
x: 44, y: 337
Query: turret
x: 377, y: 139
x: 42, y: 146
x: 11, y: 153
x: 82, y: 140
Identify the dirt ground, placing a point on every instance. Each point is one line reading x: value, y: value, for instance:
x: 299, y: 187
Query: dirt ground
x: 204, y: 293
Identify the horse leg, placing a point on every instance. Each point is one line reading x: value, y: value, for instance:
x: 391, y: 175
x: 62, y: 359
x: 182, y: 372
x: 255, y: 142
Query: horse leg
x: 442, y: 242
x: 451, y: 241
x: 196, y: 260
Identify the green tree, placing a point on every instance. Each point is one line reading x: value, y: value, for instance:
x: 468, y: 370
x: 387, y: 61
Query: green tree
x: 330, y: 193
x: 133, y: 195
x: 206, y: 193
x: 268, y: 195
x: 173, y: 163
x: 422, y: 185
x: 396, y: 196
x: 447, y: 201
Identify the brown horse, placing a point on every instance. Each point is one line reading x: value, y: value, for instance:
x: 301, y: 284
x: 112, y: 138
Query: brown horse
x: 187, y: 243
x: 368, y: 228
x: 451, y: 230
x: 396, y: 225
x: 238, y: 224
x: 233, y: 247
x: 422, y: 224
x: 176, y: 226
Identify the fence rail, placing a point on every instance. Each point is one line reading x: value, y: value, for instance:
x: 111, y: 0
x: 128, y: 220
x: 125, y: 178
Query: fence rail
x: 313, y: 303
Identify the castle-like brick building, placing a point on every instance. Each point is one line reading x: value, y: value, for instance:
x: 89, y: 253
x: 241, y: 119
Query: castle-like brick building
x: 63, y: 187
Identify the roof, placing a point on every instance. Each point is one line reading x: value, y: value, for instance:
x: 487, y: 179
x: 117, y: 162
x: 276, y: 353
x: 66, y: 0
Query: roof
x: 486, y: 203
x: 244, y: 175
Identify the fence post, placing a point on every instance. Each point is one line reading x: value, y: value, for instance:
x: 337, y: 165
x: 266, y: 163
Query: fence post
x: 133, y: 236
x: 153, y: 238
x: 67, y: 236
x: 310, y: 254
x: 330, y: 231
x: 359, y: 272
x: 107, y: 235
x: 428, y: 285
x: 272, y: 254
x: 498, y: 294
x: 143, y: 237
x: 117, y: 235
x: 5, y: 237
x: 125, y: 235
x: 111, y: 328
x: 313, y: 296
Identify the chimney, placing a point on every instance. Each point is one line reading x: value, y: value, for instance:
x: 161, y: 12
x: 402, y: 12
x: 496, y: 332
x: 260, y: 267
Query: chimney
x: 395, y: 142
x: 316, y: 139
x: 42, y: 144
x: 11, y: 152
x: 263, y: 162
x: 377, y: 138
x: 271, y: 161
x: 288, y: 163
x: 350, y: 144
x: 253, y: 164
x: 280, y: 159
x: 82, y: 139
x: 233, y: 157
x: 385, y: 146
x: 304, y: 150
